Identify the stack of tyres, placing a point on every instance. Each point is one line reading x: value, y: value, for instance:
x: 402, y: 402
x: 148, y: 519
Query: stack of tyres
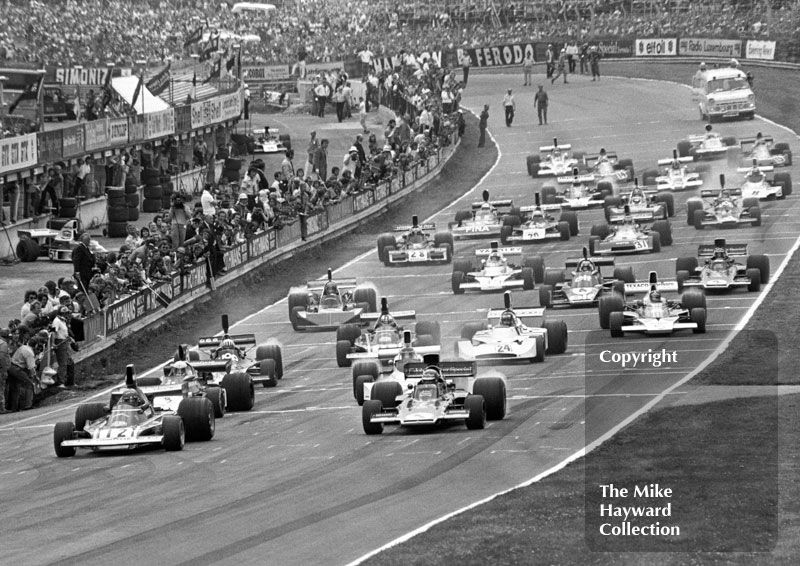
x: 167, y: 188
x: 232, y: 170
x: 117, y: 212
x: 152, y: 190
x: 132, y: 199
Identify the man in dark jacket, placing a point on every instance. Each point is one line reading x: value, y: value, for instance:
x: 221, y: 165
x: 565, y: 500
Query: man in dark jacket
x: 83, y: 260
x: 484, y: 122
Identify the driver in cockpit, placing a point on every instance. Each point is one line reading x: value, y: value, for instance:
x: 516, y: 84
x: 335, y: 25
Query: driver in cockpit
x: 537, y: 215
x: 755, y: 175
x: 510, y: 320
x: 494, y: 259
x: 585, y: 266
x: 385, y: 321
x: 603, y: 156
x: 133, y: 399
x: 724, y: 196
x: 331, y: 288
x: 675, y: 165
x: 655, y: 297
x: 637, y: 196
x: 416, y: 235
x: 227, y: 346
x: 709, y: 135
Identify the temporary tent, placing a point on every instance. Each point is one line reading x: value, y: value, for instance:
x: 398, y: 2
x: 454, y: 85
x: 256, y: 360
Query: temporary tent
x: 146, y: 103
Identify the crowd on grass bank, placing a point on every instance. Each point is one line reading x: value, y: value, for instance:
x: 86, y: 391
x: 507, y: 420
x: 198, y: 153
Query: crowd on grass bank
x: 93, y: 32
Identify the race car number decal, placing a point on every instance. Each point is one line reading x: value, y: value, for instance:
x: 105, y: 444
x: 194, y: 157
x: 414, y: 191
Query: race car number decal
x: 533, y: 234
x: 503, y: 349
x: 582, y: 291
x: 642, y: 244
x: 417, y: 255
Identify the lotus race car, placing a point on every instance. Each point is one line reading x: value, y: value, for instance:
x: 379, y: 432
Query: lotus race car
x: 485, y: 220
x: 764, y: 150
x: 653, y: 314
x: 630, y: 237
x: 706, y: 146
x: 759, y: 182
x: 721, y: 271
x: 675, y: 175
x: 495, y: 272
x: 553, y: 160
x: 326, y: 304
x: 440, y: 395
x: 724, y: 208
x: 415, y: 245
x: 505, y: 337
x: 586, y: 285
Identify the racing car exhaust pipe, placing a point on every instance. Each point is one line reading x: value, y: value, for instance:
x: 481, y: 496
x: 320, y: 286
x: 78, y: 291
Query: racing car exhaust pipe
x: 225, y: 325
x: 384, y: 306
x: 130, y: 383
x: 485, y: 196
x: 507, y: 299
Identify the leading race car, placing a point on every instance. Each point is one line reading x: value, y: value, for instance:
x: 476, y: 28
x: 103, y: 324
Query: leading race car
x: 440, y: 396
x: 710, y: 145
x: 761, y: 183
x: 556, y: 160
x: 504, y: 336
x: 577, y: 192
x: 495, y: 273
x: 653, y: 314
x: 530, y: 224
x: 609, y: 167
x: 721, y: 272
x: 764, y: 150
x: 385, y: 339
x: 485, y: 220
x: 325, y: 304
x: 641, y: 205
x: 724, y: 208
x: 586, y: 284
x: 131, y: 421
x: 628, y: 236
x: 415, y: 245
x: 675, y: 174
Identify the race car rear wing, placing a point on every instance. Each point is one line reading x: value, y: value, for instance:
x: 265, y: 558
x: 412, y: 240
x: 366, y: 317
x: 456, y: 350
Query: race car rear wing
x: 549, y: 148
x: 343, y: 284
x: 645, y: 215
x: 744, y: 142
x: 386, y: 354
x: 543, y: 207
x: 707, y: 250
x: 205, y: 366
x: 238, y: 339
x: 714, y: 193
x: 598, y: 261
x: 408, y: 227
x: 504, y: 251
x: 645, y: 286
x: 450, y: 369
x: 505, y: 203
x: 687, y: 159
x: 591, y: 159
x: 762, y: 168
x: 585, y: 178
x: 525, y: 312
x: 397, y: 315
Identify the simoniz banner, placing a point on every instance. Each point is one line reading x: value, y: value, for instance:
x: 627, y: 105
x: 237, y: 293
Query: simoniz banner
x: 657, y: 47
x: 89, y: 76
x: 499, y: 55
x: 757, y: 49
x: 700, y: 47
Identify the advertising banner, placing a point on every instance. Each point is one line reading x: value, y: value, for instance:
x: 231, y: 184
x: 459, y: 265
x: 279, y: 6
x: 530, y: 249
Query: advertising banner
x: 265, y: 73
x: 757, y: 49
x: 89, y: 76
x: 125, y: 311
x: 363, y: 200
x: 18, y: 153
x: 197, y: 277
x: 615, y: 48
x: 96, y: 133
x: 656, y: 47
x: 700, y: 47
x: 49, y: 146
x: 73, y: 143
x: 499, y: 55
x: 117, y: 131
x: 136, y: 128
x: 216, y: 110
x: 235, y: 256
x: 262, y: 244
x: 183, y: 118
x: 381, y: 64
x: 159, y: 124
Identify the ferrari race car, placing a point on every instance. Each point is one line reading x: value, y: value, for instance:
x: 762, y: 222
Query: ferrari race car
x: 269, y: 140
x: 132, y: 420
x: 710, y: 145
x: 764, y: 150
x: 653, y: 314
x: 415, y: 245
x: 485, y: 220
x: 629, y: 237
x: 505, y: 337
x: 724, y: 208
x: 325, y: 304
x: 641, y: 205
x: 605, y: 166
x: 440, y: 396
x: 577, y: 193
x: 385, y: 339
x: 553, y: 160
x: 720, y: 270
x: 495, y: 273
x: 532, y: 224
x: 369, y: 371
x: 586, y: 285
x: 761, y: 183
x: 54, y: 244
x: 675, y: 174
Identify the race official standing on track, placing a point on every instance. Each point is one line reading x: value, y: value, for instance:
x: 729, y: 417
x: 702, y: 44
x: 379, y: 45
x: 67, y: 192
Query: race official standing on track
x: 482, y: 124
x: 594, y: 62
x: 5, y: 362
x: 465, y: 62
x: 540, y: 101
x: 562, y: 67
x: 527, y: 69
x: 83, y: 260
x: 510, y: 107
x: 550, y: 61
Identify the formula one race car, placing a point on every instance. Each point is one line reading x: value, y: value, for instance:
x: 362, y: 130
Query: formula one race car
x: 578, y: 194
x: 325, y: 304
x: 710, y: 145
x: 132, y: 420
x: 440, y: 396
x: 675, y: 174
x: 607, y: 166
x: 529, y: 224
x: 554, y: 160
x: 54, y: 244
x: 415, y: 245
x: 586, y: 285
x: 485, y: 220
x: 505, y: 337
x: 653, y: 314
x: 629, y: 237
x: 720, y: 271
x: 385, y: 339
x: 641, y: 204
x: 495, y: 272
x: 269, y: 140
x: 724, y: 208
x: 369, y: 371
x: 764, y: 150
x: 760, y: 182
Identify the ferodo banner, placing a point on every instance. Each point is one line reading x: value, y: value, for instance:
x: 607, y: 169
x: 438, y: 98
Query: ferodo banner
x: 657, y: 47
x: 499, y: 55
x: 700, y: 47
x: 757, y: 49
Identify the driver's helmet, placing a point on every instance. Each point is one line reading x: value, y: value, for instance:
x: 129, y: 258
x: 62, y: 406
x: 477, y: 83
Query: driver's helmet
x: 180, y: 369
x: 227, y: 344
x: 603, y: 156
x: 754, y: 173
x: 586, y: 266
x: 386, y: 320
x: 494, y: 258
x: 759, y: 138
x: 508, y: 319
x: 330, y: 288
x: 556, y: 152
x: 724, y: 194
x: 628, y: 220
x: 130, y: 397
x: 537, y: 214
x: 416, y: 234
x: 655, y: 296
x: 719, y: 253
x: 431, y: 373
x: 676, y: 165
x: 636, y: 196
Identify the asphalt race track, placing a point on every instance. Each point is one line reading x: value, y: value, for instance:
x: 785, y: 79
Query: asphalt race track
x: 296, y: 481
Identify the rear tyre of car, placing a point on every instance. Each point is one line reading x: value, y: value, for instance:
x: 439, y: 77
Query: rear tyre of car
x: 688, y: 264
x: 556, y: 336
x: 600, y: 230
x: 369, y: 409
x: 615, y: 321
x: 563, y: 230
x: 463, y: 265
x: 217, y: 397
x: 649, y: 177
x: 506, y: 232
x: 271, y: 352
x: 174, y: 433
x: 386, y: 257
x: 682, y: 276
x: 698, y: 316
x: 240, y: 392
x: 749, y: 202
x: 296, y: 299
x: 88, y: 412
x: 755, y: 279
x: 430, y: 328
x: 554, y: 276
x: 625, y: 273
x: 358, y: 387
x: 548, y: 195
x: 198, y: 418
x: 349, y: 332
x: 456, y: 280
x: 442, y: 238
x: 371, y: 368
x: 540, y: 349
x: 462, y: 215
x: 785, y: 180
x: 267, y: 369
x: 537, y: 264
x: 571, y: 218
x: 618, y: 287
x: 28, y: 250
x: 594, y: 242
x: 387, y: 392
x: 493, y: 391
x: 366, y: 295
x: 692, y: 206
x: 471, y: 328
x: 684, y: 147
x: 608, y: 305
x: 546, y: 296
x: 342, y: 349
x: 477, y: 412
x: 760, y: 262
x: 532, y: 163
x: 699, y: 215
x: 693, y: 299
x: 655, y: 242
x: 729, y: 141
x: 528, y: 278
x: 63, y: 431
x: 512, y: 219
x: 755, y: 214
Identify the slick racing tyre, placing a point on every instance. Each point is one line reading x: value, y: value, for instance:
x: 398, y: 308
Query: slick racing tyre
x: 477, y: 412
x: 493, y: 391
x: 198, y: 418
x: 174, y: 433
x: 239, y: 391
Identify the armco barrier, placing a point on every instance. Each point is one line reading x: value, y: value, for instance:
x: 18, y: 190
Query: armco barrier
x: 143, y: 308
